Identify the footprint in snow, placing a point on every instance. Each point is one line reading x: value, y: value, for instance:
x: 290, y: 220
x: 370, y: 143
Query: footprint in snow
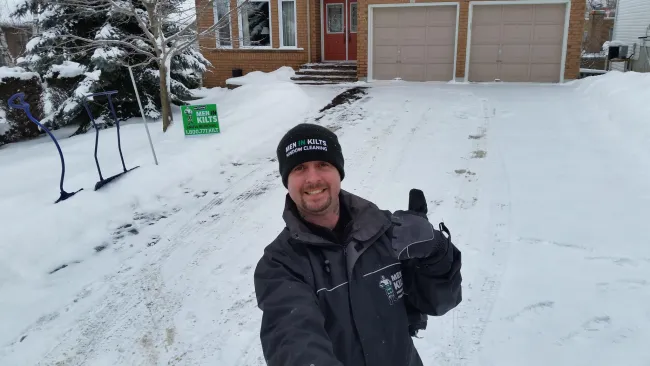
x: 589, y: 327
x: 532, y: 308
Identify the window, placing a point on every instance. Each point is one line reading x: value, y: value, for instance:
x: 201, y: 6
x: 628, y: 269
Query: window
x: 221, y: 13
x: 288, y: 23
x: 353, y: 17
x: 334, y: 18
x: 255, y: 24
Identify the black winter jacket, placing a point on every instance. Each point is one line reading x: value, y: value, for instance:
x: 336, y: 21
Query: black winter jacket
x: 330, y: 304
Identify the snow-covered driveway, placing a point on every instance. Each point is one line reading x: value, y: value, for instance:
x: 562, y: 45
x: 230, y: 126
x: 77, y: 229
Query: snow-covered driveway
x: 546, y: 191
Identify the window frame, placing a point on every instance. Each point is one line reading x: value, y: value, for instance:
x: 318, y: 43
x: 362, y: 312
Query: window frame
x: 216, y: 19
x: 241, y: 29
x: 355, y: 18
x: 343, y: 20
x: 281, y: 24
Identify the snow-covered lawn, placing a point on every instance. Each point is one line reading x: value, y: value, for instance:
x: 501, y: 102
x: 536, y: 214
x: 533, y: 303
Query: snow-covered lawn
x: 546, y: 190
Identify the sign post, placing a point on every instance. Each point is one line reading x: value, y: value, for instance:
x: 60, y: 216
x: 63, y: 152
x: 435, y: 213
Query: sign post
x: 200, y: 119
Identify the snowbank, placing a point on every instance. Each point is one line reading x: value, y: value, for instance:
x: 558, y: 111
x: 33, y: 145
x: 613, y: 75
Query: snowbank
x: 258, y: 77
x: 15, y: 72
x: 73, y: 232
x: 619, y: 92
x: 622, y: 97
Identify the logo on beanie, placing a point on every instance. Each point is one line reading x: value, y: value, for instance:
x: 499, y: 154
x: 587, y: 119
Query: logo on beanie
x: 305, y: 145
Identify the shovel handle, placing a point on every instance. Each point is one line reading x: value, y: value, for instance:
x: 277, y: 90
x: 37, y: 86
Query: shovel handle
x: 21, y: 104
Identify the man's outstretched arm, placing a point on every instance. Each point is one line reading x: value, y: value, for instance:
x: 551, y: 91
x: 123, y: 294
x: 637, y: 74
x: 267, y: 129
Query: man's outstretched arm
x: 431, y: 263
x: 292, y: 331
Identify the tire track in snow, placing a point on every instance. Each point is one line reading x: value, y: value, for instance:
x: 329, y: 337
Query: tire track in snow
x: 141, y: 302
x: 472, y: 317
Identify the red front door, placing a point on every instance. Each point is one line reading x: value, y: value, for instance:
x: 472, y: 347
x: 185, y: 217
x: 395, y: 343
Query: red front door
x: 340, y: 30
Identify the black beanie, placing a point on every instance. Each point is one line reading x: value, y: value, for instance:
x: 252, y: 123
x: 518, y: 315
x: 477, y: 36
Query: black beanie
x: 308, y: 142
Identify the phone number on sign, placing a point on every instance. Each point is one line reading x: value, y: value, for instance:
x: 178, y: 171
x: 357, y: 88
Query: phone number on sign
x: 201, y: 131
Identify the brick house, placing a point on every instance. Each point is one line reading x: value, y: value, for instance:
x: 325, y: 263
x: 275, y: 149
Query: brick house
x: 415, y: 40
x: 17, y: 37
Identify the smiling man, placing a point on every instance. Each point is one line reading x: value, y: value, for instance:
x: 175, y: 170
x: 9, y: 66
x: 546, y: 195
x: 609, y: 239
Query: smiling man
x: 345, y: 283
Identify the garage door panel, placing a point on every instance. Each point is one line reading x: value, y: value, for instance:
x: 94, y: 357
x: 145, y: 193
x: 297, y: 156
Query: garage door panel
x: 546, y: 54
x: 545, y: 72
x: 413, y: 55
x: 517, y: 14
x: 414, y: 72
x: 517, y: 33
x: 440, y: 36
x: 439, y: 55
x: 412, y: 36
x: 514, y: 72
x: 486, y: 34
x: 385, y: 54
x: 439, y: 72
x: 516, y: 42
x: 385, y: 17
x: 549, y: 13
x: 484, y: 53
x: 515, y: 53
x: 548, y: 34
x: 386, y: 36
x: 485, y: 15
x: 483, y: 72
x: 441, y: 16
x: 412, y: 17
x: 385, y: 71
x: 414, y: 43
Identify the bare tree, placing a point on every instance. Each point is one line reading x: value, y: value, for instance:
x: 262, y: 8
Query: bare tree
x: 156, y: 43
x: 601, y: 4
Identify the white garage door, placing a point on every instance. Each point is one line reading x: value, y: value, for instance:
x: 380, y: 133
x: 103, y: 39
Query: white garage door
x: 414, y: 43
x: 517, y: 43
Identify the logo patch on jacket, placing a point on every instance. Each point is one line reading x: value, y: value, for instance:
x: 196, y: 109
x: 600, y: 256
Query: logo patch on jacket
x: 393, y: 286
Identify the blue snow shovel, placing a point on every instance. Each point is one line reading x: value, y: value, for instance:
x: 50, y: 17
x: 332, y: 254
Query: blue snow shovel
x: 21, y: 104
x: 102, y: 182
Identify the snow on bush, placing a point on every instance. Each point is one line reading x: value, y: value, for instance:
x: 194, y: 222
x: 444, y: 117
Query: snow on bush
x: 68, y: 69
x: 14, y: 124
x: 284, y: 73
x: 15, y: 72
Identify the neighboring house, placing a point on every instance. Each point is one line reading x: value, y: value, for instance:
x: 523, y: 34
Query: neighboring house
x: 631, y: 24
x: 512, y: 40
x: 17, y: 37
x: 598, y: 29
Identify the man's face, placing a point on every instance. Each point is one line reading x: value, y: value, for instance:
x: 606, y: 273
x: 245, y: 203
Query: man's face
x: 314, y: 186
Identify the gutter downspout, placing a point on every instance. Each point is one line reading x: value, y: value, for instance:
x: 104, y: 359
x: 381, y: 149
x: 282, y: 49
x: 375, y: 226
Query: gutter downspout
x: 308, y: 32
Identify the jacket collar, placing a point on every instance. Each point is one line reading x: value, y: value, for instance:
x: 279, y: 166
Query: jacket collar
x: 367, y: 220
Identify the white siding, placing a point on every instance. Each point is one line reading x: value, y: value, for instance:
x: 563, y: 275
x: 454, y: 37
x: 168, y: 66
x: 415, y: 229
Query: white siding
x: 632, y: 21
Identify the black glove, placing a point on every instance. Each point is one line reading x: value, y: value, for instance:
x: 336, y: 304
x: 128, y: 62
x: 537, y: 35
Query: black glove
x: 413, y: 236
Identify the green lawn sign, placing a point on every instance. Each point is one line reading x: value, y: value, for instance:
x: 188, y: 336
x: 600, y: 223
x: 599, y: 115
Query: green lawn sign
x: 200, y: 119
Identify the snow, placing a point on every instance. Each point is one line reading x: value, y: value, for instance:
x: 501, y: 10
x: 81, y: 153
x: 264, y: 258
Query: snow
x: 6, y: 8
x: 15, y: 72
x: 4, y: 125
x: 545, y: 189
x: 283, y: 73
x: 107, y: 53
x: 107, y: 32
x: 68, y: 69
x: 31, y: 45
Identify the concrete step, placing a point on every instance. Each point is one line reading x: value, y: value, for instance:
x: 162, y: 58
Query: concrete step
x: 331, y: 66
x: 336, y: 78
x: 327, y: 72
x: 321, y: 82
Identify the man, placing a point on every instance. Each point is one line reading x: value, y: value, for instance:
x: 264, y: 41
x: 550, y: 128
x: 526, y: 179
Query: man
x: 338, y: 285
